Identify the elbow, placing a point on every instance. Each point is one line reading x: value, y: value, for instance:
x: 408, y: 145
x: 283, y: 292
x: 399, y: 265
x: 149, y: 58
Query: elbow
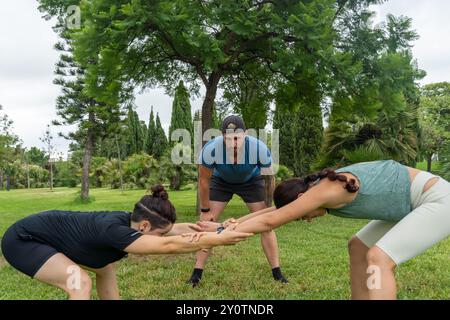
x: 268, y: 223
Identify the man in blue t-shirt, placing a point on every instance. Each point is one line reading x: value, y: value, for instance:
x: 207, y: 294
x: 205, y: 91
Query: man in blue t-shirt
x: 235, y: 163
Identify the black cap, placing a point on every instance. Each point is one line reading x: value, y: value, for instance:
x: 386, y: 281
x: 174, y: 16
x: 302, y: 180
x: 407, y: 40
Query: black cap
x: 232, y: 122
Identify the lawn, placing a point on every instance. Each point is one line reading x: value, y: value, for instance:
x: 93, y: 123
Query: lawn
x: 313, y: 257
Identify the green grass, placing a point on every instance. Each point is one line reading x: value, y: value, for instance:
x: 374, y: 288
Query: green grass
x: 313, y: 257
x: 435, y: 166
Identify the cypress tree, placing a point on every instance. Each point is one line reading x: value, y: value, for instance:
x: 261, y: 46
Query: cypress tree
x: 160, y: 145
x: 300, y: 136
x: 181, y: 111
x: 135, y: 138
x: 151, y: 134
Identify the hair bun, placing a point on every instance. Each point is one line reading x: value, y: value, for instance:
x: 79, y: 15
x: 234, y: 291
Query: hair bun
x: 158, y: 191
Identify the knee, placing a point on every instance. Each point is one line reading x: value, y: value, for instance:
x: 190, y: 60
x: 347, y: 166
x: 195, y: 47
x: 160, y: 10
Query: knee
x: 377, y: 257
x: 80, y: 288
x: 356, y: 246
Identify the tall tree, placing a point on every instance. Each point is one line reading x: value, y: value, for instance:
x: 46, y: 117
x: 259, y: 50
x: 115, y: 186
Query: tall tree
x: 181, y: 111
x: 435, y: 119
x: 135, y: 132
x: 300, y: 137
x: 8, y: 141
x: 77, y: 106
x: 151, y: 134
x: 49, y: 147
x: 161, y: 143
x: 74, y: 106
x: 375, y: 98
x: 206, y: 41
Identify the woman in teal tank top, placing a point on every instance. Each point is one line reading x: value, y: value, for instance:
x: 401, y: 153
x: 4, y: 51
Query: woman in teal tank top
x: 409, y: 209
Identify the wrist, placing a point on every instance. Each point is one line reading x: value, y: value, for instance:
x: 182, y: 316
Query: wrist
x: 220, y: 228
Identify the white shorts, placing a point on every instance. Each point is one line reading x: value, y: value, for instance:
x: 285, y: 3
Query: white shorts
x: 425, y: 226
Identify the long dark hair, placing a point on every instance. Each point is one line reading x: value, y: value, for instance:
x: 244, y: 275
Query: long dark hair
x: 155, y: 208
x: 288, y: 190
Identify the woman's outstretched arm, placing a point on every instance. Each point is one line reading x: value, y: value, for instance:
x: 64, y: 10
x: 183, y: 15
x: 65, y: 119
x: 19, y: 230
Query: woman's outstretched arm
x: 327, y: 194
x: 147, y: 244
x: 182, y: 228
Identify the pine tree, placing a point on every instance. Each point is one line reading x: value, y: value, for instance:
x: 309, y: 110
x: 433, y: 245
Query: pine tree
x: 93, y: 119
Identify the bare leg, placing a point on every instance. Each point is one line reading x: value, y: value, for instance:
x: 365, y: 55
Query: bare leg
x: 216, y: 210
x: 358, y: 269
x: 106, y: 281
x: 384, y: 266
x: 268, y: 239
x: 61, y: 272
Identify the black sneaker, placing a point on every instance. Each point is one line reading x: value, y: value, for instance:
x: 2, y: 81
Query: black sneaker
x: 282, y: 279
x: 194, y: 281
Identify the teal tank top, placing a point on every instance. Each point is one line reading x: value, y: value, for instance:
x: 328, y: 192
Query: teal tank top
x: 384, y: 193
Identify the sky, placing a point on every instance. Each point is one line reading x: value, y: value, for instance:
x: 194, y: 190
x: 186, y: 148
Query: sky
x: 27, y: 60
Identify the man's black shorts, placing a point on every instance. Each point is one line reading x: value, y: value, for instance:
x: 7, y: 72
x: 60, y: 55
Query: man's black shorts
x: 251, y: 191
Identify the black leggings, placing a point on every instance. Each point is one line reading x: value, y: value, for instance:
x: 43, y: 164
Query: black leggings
x: 25, y: 253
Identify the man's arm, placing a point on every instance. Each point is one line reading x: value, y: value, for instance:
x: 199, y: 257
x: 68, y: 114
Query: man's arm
x: 203, y: 185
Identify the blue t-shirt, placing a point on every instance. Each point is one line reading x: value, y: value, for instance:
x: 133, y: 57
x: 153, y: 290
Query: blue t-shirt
x: 255, y: 157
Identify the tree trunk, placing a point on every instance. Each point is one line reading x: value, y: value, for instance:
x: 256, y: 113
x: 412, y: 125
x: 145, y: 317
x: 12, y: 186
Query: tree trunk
x: 2, y: 184
x: 207, y: 112
x: 208, y: 103
x: 87, y: 159
x: 28, y: 176
x: 120, y: 164
x: 429, y: 162
x: 51, y: 175
x: 8, y: 182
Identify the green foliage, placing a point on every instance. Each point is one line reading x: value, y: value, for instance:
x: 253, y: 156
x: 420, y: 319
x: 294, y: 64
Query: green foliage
x: 36, y: 156
x: 135, y: 133
x: 300, y: 136
x: 283, y: 173
x: 434, y: 117
x: 160, y: 143
x: 181, y: 111
x: 375, y: 108
x: 140, y: 171
x: 151, y: 134
x: 66, y: 174
x: 444, y: 160
x: 178, y: 175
